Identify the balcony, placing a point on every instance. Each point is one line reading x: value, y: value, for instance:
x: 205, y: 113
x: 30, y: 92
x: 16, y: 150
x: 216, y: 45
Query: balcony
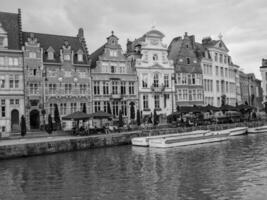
x: 116, y: 96
x: 159, y: 89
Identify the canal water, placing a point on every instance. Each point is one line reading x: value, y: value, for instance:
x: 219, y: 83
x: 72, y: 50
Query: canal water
x: 234, y: 169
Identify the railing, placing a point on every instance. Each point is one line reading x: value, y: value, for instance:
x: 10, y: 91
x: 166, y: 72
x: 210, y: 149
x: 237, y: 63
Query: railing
x: 159, y: 89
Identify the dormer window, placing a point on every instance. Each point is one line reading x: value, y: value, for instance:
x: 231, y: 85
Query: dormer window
x: 3, y: 37
x: 67, y: 57
x: 50, y: 55
x: 80, y: 55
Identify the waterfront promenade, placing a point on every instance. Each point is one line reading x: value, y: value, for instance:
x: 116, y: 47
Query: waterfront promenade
x: 62, y: 142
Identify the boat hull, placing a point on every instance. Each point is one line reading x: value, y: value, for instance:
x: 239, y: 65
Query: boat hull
x: 144, y: 141
x: 257, y: 130
x: 238, y: 131
x: 192, y: 140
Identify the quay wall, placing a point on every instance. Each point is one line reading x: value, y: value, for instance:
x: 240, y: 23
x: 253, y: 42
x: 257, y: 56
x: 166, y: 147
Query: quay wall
x: 75, y: 143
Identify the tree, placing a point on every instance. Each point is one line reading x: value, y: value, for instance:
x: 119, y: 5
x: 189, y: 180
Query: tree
x: 120, y: 119
x: 23, y: 128
x: 177, y: 108
x: 43, y: 112
x: 84, y: 108
x: 155, y: 117
x: 223, y: 99
x: 150, y: 119
x: 109, y: 109
x: 57, y: 117
x: 138, y: 117
x: 49, y: 128
x: 132, y: 111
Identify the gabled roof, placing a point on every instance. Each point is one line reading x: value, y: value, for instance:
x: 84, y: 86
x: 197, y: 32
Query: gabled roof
x: 56, y: 42
x: 154, y: 33
x: 209, y: 43
x: 95, y: 55
x: 11, y: 24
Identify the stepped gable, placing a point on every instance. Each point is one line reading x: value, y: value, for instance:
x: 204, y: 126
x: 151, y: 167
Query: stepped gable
x: 182, y: 48
x: 10, y: 22
x: 57, y: 42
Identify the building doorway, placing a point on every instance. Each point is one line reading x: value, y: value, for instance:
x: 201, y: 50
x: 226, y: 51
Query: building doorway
x: 15, y: 121
x: 34, y: 119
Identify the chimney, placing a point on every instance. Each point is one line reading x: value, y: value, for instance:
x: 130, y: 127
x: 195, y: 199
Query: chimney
x: 80, y: 33
x: 20, y: 28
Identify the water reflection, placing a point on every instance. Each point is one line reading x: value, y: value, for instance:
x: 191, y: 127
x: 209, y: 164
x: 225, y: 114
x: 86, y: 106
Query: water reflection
x: 234, y: 169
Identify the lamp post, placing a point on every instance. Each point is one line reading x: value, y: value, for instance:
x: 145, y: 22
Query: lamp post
x: 44, y: 79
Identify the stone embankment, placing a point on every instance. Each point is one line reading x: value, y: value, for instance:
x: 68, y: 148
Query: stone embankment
x: 48, y: 145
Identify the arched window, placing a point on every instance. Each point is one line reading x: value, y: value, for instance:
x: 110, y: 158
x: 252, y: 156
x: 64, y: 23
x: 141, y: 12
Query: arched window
x: 155, y: 57
x: 156, y: 80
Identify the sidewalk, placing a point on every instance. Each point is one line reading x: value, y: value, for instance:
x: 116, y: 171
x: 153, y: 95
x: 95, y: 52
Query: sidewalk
x: 34, y: 134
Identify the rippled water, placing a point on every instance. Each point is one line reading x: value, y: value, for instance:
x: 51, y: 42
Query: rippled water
x: 234, y: 169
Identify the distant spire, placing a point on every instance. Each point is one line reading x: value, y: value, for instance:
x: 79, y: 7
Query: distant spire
x: 220, y: 36
x: 112, y: 32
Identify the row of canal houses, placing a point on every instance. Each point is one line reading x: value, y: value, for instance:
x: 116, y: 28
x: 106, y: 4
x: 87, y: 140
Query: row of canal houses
x: 40, y: 70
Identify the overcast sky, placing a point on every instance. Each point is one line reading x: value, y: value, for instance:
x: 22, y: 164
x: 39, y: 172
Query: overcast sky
x: 243, y: 23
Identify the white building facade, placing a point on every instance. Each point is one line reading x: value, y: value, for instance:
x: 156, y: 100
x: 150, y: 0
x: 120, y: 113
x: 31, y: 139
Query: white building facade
x: 220, y: 75
x: 155, y: 73
x: 263, y: 70
x: 11, y: 74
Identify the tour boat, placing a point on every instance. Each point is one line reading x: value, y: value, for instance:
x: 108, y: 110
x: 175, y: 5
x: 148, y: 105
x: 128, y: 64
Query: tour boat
x: 144, y: 141
x: 213, y: 136
x: 255, y: 130
x: 238, y: 131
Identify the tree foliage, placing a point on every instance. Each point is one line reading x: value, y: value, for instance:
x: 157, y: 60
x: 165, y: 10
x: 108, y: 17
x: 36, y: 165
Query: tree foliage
x: 23, y: 128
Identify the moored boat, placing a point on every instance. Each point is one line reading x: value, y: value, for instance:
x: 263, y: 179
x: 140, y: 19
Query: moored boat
x: 144, y: 141
x: 214, y: 136
x: 238, y: 131
x: 255, y: 130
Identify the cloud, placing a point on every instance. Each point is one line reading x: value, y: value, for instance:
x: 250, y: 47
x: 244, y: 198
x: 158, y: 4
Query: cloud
x: 242, y: 22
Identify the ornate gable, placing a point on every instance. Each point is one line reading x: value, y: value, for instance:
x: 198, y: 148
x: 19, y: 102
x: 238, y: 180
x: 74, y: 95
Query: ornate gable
x: 220, y: 45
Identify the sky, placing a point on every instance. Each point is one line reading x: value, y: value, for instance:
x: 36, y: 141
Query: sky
x: 241, y: 22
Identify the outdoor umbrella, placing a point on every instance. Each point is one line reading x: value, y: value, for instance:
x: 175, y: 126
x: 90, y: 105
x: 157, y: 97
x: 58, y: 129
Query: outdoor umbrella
x: 228, y: 108
x: 245, y: 107
x: 77, y: 116
x: 211, y: 108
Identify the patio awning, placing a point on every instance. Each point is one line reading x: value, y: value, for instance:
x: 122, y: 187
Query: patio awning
x: 210, y: 108
x: 228, y: 108
x: 101, y: 115
x: 245, y: 107
x: 77, y: 116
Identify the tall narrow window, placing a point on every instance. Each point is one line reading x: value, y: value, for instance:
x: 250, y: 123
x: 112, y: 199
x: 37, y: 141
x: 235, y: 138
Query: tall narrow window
x: 166, y: 80
x: 106, y: 88
x: 123, y: 87
x: 157, y: 103
x: 50, y: 55
x: 188, y: 61
x: 96, y: 87
x: 112, y: 69
x: 144, y: 80
x: 80, y: 57
x: 145, y: 102
x: 114, y: 87
x: 131, y: 87
x: 156, y: 80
